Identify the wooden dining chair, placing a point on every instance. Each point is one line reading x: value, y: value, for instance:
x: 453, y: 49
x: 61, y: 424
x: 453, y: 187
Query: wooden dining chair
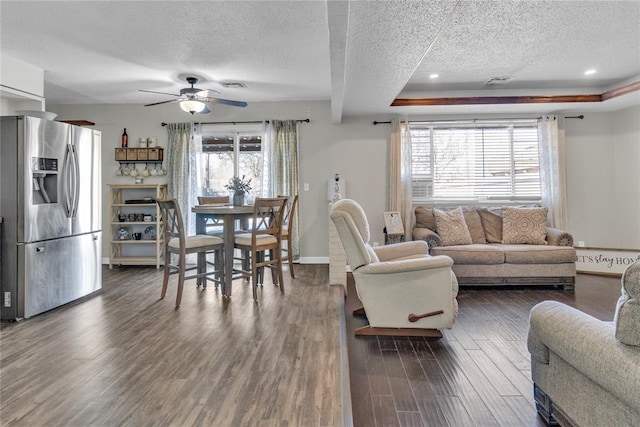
x: 263, y: 245
x: 178, y: 243
x: 287, y: 231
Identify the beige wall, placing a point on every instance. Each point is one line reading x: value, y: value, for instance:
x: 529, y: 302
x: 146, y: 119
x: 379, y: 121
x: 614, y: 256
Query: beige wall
x: 603, y: 178
x: 356, y: 150
x: 602, y: 159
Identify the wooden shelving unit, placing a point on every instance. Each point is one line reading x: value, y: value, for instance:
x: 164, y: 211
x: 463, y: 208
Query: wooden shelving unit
x: 125, y: 250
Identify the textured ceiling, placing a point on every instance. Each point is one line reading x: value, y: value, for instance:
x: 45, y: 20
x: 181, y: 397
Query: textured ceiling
x: 361, y: 55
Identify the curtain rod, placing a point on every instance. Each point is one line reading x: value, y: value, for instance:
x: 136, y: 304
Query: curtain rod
x: 375, y: 122
x: 236, y: 123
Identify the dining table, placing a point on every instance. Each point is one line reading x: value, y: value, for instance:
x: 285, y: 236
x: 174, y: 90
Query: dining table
x: 229, y: 215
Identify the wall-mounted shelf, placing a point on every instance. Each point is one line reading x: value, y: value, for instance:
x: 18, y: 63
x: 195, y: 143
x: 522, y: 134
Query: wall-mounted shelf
x: 140, y: 155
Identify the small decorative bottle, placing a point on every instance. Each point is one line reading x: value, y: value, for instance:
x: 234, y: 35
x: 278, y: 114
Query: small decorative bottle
x: 125, y: 139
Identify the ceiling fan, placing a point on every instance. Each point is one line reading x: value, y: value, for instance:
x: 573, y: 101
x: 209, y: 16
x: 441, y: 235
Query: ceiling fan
x: 194, y: 100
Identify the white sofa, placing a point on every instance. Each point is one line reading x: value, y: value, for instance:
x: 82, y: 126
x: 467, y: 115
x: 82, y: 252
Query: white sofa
x: 587, y: 372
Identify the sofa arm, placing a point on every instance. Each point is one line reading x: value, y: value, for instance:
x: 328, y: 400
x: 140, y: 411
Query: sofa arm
x: 405, y: 265
x: 401, y: 250
x: 429, y: 236
x: 587, y: 344
x: 557, y: 237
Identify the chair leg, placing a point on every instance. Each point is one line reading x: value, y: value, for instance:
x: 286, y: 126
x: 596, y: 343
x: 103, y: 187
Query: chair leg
x: 246, y: 261
x: 180, y: 280
x: 274, y: 276
x: 202, y: 268
x: 219, y: 266
x: 290, y: 257
x: 254, y: 275
x: 280, y: 275
x: 165, y: 280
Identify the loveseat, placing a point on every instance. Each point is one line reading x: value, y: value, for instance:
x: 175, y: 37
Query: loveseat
x: 508, y: 245
x: 587, y: 372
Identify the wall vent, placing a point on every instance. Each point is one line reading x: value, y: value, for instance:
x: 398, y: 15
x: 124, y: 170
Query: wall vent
x: 493, y: 81
x: 233, y: 85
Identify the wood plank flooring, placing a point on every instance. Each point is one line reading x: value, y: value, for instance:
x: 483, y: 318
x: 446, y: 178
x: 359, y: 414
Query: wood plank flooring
x: 478, y: 374
x: 127, y: 358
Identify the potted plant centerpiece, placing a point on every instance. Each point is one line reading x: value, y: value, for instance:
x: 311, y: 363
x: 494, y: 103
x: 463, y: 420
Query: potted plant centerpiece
x: 238, y: 187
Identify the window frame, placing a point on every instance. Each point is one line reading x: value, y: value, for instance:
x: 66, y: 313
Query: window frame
x: 237, y: 131
x: 423, y: 189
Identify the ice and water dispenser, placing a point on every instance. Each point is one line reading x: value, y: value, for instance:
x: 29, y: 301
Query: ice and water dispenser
x: 44, y: 180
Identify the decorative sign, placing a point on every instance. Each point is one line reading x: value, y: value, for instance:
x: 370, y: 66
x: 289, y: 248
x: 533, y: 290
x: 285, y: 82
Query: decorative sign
x: 393, y: 222
x: 613, y: 261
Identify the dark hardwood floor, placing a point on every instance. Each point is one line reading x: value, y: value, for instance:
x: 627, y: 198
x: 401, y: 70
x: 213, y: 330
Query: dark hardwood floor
x: 478, y: 374
x: 126, y: 358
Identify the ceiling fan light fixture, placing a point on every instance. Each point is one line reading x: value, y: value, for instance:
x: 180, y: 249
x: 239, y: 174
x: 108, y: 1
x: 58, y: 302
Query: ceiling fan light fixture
x: 192, y: 106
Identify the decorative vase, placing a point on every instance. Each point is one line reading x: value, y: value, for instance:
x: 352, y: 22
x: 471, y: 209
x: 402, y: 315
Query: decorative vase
x: 238, y: 198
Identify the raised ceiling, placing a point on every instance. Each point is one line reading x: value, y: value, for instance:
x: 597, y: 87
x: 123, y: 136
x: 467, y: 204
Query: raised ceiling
x: 360, y: 55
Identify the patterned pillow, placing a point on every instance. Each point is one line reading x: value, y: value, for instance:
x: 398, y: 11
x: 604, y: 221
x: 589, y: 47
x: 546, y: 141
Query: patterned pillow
x: 524, y: 226
x: 451, y: 227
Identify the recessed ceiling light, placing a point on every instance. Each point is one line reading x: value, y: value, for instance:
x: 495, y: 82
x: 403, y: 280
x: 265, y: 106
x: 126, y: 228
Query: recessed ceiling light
x: 589, y: 72
x: 434, y: 76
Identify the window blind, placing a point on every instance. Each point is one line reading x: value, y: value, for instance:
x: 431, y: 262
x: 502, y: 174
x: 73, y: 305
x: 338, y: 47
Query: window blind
x: 475, y: 161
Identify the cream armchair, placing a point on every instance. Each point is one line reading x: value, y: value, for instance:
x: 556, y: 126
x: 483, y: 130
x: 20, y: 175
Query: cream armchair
x: 404, y: 290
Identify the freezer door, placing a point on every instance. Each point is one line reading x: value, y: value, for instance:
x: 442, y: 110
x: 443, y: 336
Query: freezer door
x: 39, y: 218
x: 59, y: 271
x: 87, y: 195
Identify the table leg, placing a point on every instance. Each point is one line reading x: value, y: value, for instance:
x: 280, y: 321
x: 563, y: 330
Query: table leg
x: 229, y: 240
x: 201, y: 228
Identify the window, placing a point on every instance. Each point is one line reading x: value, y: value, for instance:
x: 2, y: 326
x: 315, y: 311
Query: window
x: 475, y: 161
x: 227, y: 153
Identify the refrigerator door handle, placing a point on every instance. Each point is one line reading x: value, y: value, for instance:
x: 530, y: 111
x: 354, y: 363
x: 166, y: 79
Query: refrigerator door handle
x: 76, y: 180
x: 66, y: 183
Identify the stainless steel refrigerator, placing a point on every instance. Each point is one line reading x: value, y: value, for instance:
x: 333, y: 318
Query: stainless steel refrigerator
x: 50, y: 199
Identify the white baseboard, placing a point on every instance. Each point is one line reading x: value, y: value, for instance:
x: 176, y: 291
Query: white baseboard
x: 314, y: 260
x: 303, y: 260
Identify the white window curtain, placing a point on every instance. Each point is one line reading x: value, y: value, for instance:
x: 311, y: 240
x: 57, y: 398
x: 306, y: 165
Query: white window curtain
x: 400, y: 197
x: 185, y: 142
x: 553, y: 170
x: 267, y: 160
x: 280, y: 155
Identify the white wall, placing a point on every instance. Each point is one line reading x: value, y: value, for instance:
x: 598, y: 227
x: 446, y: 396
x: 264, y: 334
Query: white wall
x: 626, y: 161
x: 356, y: 150
x: 603, y: 179
x: 602, y: 159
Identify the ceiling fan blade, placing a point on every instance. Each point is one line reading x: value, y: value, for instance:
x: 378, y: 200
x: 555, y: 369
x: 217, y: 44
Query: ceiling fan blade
x: 205, y: 111
x: 161, y: 102
x: 161, y: 93
x: 207, y: 93
x: 227, y: 102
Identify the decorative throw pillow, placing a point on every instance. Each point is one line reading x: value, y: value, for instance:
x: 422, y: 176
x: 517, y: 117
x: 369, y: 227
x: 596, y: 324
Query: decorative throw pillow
x: 627, y: 316
x: 492, y: 224
x: 451, y: 227
x: 474, y: 224
x: 524, y: 226
x: 424, y: 218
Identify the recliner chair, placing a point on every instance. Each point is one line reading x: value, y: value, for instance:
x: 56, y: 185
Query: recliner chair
x: 404, y: 290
